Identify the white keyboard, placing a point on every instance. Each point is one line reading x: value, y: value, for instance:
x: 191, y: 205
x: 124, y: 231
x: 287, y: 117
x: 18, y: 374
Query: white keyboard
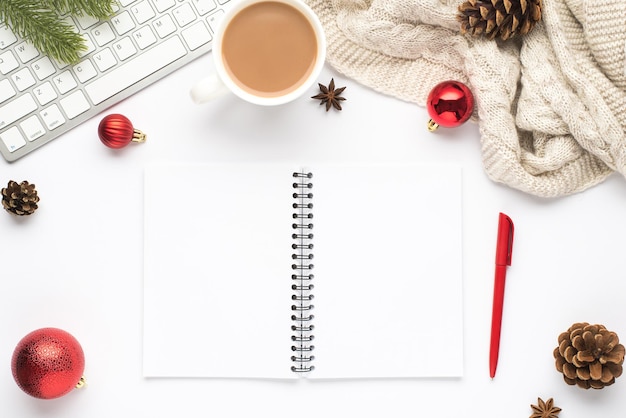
x: 40, y: 99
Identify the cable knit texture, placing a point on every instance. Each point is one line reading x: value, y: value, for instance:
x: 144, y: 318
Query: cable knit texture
x: 551, y: 106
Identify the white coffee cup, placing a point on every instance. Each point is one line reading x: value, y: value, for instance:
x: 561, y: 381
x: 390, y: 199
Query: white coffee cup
x: 267, y: 52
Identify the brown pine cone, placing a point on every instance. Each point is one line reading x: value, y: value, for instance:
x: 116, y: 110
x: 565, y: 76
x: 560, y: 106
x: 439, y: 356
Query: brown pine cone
x: 20, y: 199
x: 501, y: 19
x: 589, y: 356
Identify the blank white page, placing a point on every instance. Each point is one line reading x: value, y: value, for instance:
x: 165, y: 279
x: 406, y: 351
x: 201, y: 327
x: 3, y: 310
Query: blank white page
x: 217, y: 271
x: 387, y: 257
x: 388, y: 273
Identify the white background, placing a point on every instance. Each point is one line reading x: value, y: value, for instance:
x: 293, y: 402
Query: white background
x: 76, y: 264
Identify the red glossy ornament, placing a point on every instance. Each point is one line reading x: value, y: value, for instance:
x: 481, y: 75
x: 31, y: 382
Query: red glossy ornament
x: 48, y: 363
x: 449, y: 104
x: 117, y: 131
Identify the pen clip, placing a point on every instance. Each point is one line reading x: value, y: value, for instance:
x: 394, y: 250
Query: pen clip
x: 504, y: 247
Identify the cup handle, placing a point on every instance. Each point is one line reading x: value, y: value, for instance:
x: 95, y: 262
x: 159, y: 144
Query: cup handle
x: 208, y: 89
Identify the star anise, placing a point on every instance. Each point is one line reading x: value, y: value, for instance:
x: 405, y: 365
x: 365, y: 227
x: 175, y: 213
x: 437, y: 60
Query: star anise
x: 545, y: 409
x: 330, y: 95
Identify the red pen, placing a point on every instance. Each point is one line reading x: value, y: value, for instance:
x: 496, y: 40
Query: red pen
x: 504, y: 251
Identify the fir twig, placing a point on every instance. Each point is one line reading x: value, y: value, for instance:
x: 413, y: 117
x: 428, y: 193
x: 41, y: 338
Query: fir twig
x: 38, y: 22
x: 100, y: 9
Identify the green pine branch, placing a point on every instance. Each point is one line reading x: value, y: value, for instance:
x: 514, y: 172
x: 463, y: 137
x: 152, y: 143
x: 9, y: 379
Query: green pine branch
x: 100, y: 9
x: 38, y: 22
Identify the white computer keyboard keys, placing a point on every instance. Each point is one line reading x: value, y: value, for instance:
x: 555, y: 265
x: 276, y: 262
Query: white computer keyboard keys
x: 52, y: 117
x: 16, y: 109
x: 144, y: 37
x: 124, y: 49
x: 184, y: 15
x: 103, y: 34
x: 8, y: 62
x: 85, y: 71
x: 123, y: 23
x: 214, y: 19
x: 196, y: 35
x: 13, y: 139
x: 74, y: 104
x: 32, y: 128
x: 26, y: 52
x: 104, y: 59
x: 164, y: 26
x: 41, y: 97
x: 43, y: 68
x: 45, y: 93
x: 204, y: 6
x: 7, y: 38
x: 64, y: 81
x: 6, y: 90
x: 23, y: 79
x: 134, y: 70
x: 86, y: 21
x: 163, y: 5
x: 142, y: 11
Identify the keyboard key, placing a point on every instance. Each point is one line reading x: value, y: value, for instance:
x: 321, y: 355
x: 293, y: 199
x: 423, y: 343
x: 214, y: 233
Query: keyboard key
x: 124, y: 49
x: 13, y: 139
x: 184, y: 15
x: 163, y: 5
x: 142, y: 12
x: 7, y: 37
x: 85, y: 71
x: 164, y: 26
x: 33, y: 128
x: 123, y: 23
x: 197, y: 35
x: 60, y: 64
x: 26, y: 52
x: 43, y: 68
x: 214, y: 19
x: 204, y: 6
x: 103, y: 34
x: 16, y: 109
x: 23, y: 79
x: 74, y: 104
x: 125, y: 3
x: 8, y: 62
x: 85, y: 21
x: 52, y: 117
x: 104, y: 59
x: 144, y: 37
x: 130, y: 72
x: 64, y: 82
x: 45, y: 93
x: 6, y: 90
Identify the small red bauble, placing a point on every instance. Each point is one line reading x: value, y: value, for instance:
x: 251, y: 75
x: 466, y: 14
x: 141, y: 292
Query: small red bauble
x: 48, y: 363
x: 117, y: 131
x: 449, y: 104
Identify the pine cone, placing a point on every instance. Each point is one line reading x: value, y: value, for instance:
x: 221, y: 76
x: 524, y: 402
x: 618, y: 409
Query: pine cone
x: 501, y: 19
x: 20, y: 199
x: 589, y: 356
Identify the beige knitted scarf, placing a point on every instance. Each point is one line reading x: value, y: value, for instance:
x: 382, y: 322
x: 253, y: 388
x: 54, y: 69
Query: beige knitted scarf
x: 551, y: 106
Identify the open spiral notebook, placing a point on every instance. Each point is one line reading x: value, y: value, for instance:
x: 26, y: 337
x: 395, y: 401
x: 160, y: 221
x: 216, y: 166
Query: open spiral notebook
x: 329, y: 271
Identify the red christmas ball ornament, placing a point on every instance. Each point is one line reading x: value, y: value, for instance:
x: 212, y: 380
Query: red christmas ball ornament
x: 449, y: 104
x: 48, y: 363
x: 117, y: 131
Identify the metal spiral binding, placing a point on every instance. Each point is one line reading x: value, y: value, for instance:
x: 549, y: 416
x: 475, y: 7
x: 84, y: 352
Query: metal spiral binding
x: 302, y: 265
